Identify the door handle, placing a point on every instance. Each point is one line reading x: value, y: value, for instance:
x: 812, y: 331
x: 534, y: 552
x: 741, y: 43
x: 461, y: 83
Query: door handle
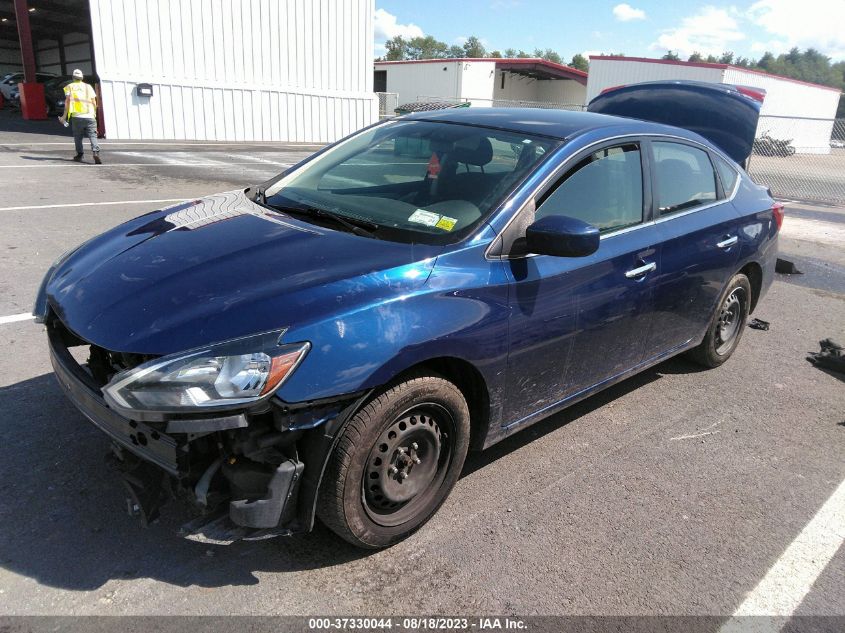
x: 727, y: 243
x: 642, y: 270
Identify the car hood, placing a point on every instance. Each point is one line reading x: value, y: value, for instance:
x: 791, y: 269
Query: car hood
x: 725, y: 115
x: 218, y: 268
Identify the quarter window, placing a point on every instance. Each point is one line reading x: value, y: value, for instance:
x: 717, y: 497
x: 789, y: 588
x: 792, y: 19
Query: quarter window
x: 604, y: 189
x: 684, y: 175
x: 728, y: 175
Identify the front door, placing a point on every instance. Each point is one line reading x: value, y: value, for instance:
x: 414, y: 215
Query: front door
x: 579, y: 321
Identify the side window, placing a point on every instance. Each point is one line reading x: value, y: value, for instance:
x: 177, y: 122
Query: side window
x: 685, y: 177
x: 728, y: 175
x: 604, y: 189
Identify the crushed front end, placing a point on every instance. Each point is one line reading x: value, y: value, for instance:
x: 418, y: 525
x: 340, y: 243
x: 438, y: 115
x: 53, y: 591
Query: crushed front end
x: 240, y: 469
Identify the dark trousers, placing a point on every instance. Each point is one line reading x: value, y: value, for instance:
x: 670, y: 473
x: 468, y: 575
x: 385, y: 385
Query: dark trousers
x: 83, y: 128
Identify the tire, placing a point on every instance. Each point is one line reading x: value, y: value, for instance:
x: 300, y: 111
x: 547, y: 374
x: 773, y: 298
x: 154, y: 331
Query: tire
x: 726, y: 325
x: 395, y: 462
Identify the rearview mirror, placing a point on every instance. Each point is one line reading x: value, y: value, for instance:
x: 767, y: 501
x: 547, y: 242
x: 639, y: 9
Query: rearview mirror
x: 562, y: 236
x: 412, y: 147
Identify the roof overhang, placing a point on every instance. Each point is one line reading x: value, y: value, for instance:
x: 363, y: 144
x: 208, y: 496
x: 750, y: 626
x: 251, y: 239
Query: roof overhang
x: 541, y: 69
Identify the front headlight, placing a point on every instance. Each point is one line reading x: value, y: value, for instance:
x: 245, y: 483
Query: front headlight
x: 223, y: 375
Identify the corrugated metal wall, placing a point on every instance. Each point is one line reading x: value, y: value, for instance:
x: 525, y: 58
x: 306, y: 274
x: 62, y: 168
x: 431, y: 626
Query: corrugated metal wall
x: 607, y: 73
x: 236, y: 70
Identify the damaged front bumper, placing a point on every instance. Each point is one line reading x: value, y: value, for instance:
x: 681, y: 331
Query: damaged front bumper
x: 242, y: 471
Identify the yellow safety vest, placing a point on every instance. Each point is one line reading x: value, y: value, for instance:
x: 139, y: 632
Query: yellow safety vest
x: 81, y: 99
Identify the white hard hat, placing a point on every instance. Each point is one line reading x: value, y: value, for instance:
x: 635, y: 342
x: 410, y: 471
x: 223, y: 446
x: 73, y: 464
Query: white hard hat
x: 77, y: 74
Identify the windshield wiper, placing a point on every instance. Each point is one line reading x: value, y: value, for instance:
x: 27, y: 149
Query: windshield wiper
x: 364, y: 228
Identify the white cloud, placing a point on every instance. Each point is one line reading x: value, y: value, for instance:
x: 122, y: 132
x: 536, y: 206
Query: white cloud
x: 387, y: 27
x: 625, y: 13
x: 809, y: 23
x: 711, y: 31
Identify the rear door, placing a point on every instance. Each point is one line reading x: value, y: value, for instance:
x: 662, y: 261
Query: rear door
x: 698, y: 228
x: 578, y: 321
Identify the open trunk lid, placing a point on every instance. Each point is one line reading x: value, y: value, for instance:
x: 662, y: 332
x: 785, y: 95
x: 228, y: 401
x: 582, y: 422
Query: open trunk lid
x: 725, y: 115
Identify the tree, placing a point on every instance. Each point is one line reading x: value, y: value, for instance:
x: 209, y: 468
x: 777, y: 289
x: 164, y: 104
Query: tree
x: 522, y: 54
x: 397, y: 49
x: 672, y: 56
x: 455, y: 52
x: 425, y: 48
x: 474, y: 48
x: 727, y: 58
x: 549, y: 55
x: 496, y: 54
x: 510, y: 53
x: 580, y: 62
x: 696, y: 57
x: 712, y: 59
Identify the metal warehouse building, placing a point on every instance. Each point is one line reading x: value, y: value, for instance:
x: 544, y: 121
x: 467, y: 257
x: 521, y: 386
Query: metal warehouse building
x: 233, y: 70
x: 792, y: 109
x: 483, y: 82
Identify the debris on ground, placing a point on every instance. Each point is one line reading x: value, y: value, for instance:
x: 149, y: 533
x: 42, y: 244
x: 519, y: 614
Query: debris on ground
x: 786, y: 267
x: 759, y: 324
x: 830, y: 357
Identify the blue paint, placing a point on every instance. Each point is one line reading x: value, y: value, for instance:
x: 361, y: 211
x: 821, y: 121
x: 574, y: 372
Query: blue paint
x: 542, y: 331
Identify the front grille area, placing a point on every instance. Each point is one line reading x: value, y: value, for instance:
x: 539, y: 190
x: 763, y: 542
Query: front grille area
x: 101, y: 364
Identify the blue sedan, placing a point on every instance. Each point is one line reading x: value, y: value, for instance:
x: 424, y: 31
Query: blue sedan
x: 331, y: 343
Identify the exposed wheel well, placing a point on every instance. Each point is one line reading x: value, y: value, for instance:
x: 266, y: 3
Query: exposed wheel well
x: 471, y: 383
x: 754, y: 272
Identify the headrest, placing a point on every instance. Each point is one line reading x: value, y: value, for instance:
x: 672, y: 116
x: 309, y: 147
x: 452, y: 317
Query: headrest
x: 473, y: 150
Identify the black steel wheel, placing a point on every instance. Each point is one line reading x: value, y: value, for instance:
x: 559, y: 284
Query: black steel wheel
x: 727, y: 324
x: 395, y: 462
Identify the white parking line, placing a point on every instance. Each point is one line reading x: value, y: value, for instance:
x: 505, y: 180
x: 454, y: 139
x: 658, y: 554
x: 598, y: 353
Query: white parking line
x: 160, y: 164
x: 14, y: 318
x: 790, y: 579
x: 92, y: 204
x: 157, y: 144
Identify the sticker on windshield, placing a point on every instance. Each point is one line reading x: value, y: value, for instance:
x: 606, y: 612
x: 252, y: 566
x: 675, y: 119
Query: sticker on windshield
x: 447, y: 224
x: 421, y: 216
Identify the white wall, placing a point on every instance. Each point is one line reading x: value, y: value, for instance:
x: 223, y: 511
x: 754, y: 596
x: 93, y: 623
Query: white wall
x: 800, y: 112
x: 428, y: 79
x: 263, y: 70
x: 477, y: 79
x: 607, y: 73
x: 551, y: 91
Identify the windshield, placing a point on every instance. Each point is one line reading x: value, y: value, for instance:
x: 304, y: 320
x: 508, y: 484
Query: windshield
x: 413, y: 181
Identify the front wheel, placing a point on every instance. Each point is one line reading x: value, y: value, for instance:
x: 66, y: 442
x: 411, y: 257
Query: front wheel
x: 395, y: 462
x: 726, y: 325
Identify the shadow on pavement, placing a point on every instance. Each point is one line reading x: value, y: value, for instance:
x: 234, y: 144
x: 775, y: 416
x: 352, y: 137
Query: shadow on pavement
x: 67, y: 508
x: 53, y: 159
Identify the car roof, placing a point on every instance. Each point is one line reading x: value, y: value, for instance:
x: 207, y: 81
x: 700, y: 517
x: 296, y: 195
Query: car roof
x: 561, y: 124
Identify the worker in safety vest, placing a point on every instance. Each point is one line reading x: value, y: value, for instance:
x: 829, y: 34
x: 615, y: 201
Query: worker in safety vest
x: 81, y: 110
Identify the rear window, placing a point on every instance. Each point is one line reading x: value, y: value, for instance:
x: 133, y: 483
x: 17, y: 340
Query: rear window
x: 684, y: 177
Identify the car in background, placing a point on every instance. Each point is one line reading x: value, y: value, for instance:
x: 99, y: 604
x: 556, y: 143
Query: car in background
x: 332, y: 342
x: 9, y: 84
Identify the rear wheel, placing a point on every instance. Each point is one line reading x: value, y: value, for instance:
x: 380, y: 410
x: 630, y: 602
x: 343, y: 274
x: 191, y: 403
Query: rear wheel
x: 395, y: 462
x: 726, y: 325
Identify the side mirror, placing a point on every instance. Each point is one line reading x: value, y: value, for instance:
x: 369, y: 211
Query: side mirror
x: 562, y: 236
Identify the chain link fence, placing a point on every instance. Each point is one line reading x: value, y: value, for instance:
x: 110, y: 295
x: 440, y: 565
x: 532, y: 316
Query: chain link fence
x: 387, y: 104
x: 801, y: 159
x: 504, y: 103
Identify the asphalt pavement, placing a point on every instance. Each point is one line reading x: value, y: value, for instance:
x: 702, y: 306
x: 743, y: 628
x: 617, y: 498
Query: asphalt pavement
x: 676, y: 492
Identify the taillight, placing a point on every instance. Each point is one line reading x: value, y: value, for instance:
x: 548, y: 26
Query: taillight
x: 758, y: 94
x: 612, y: 88
x: 778, y: 211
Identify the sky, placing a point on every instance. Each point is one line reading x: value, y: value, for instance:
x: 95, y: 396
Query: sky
x: 640, y: 28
